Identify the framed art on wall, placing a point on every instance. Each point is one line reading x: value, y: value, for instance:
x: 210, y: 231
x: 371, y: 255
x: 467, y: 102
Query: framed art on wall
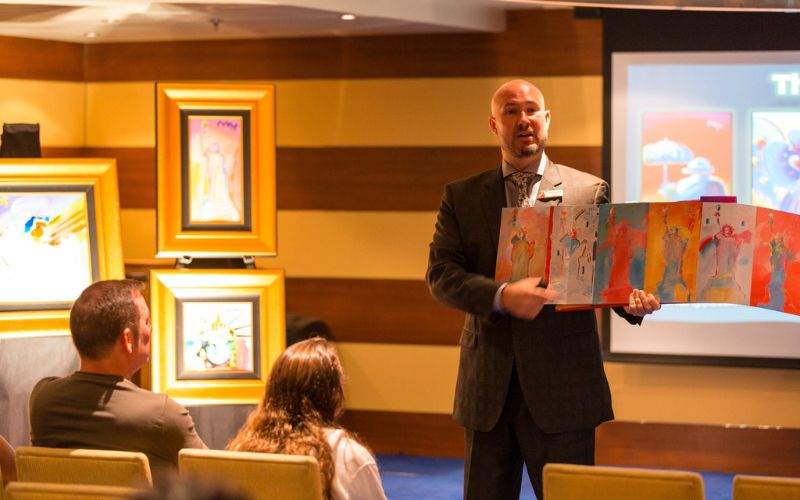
x: 59, y: 232
x: 215, y: 333
x: 216, y: 170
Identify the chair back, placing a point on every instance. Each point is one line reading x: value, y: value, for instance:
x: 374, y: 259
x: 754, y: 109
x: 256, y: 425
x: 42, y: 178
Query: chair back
x: 78, y: 466
x: 51, y: 491
x: 582, y: 482
x: 765, y: 488
x: 263, y: 476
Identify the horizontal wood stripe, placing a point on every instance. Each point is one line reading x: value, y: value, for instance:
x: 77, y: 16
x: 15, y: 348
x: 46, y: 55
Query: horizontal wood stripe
x: 375, y: 311
x: 563, y: 46
x: 681, y: 446
x: 751, y: 450
x: 356, y: 178
x: 40, y: 59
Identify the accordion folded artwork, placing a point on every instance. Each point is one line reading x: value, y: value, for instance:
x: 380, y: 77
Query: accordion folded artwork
x: 690, y: 251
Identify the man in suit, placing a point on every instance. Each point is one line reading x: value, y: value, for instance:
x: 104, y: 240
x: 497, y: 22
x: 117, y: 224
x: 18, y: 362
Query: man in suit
x: 531, y: 386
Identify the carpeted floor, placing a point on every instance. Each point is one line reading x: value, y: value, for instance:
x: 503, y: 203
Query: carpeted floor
x: 427, y: 478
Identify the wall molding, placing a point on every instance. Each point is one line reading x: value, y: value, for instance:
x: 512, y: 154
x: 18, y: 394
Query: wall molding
x: 751, y: 450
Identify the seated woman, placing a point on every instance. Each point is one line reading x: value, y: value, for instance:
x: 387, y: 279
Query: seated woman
x: 8, y: 464
x: 298, y: 415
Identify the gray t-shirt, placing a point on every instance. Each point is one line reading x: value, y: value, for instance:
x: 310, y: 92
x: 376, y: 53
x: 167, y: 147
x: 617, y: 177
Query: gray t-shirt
x: 107, y: 412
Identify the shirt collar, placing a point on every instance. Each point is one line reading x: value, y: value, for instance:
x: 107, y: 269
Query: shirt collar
x: 539, y: 170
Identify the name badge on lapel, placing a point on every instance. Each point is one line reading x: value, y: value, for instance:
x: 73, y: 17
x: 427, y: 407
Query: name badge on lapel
x: 551, y: 195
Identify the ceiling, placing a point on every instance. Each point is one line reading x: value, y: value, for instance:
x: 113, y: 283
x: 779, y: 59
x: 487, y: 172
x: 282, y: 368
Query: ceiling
x: 105, y: 21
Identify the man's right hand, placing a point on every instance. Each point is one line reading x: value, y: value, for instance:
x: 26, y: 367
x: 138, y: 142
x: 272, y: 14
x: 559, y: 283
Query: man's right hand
x: 525, y: 298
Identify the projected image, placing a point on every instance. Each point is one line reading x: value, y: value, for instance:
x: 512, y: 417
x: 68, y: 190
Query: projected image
x: 685, y: 155
x: 44, y: 238
x: 776, y: 160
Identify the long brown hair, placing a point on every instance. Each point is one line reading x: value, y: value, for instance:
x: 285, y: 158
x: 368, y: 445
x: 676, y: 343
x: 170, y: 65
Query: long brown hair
x: 304, y: 395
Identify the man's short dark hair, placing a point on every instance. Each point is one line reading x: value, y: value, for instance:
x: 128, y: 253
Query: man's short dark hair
x: 100, y: 315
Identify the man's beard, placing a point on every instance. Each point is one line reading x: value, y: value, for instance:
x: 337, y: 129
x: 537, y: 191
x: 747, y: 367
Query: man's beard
x: 529, y: 151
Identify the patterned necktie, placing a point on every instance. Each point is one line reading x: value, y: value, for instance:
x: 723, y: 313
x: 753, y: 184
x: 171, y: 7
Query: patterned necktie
x: 522, y: 180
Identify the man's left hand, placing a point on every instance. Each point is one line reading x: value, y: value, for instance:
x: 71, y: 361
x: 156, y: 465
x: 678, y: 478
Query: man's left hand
x: 642, y: 304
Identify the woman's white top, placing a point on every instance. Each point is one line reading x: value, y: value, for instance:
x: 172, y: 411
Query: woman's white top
x: 356, y: 475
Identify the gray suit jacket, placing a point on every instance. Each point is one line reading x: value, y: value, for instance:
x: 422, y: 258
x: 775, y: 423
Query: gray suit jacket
x: 557, y: 355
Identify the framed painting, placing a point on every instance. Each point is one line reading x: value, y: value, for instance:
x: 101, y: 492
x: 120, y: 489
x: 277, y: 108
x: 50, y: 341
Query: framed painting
x: 59, y: 232
x: 215, y: 333
x: 216, y: 170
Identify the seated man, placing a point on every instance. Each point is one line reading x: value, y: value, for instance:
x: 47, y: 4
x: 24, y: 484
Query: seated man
x: 98, y: 406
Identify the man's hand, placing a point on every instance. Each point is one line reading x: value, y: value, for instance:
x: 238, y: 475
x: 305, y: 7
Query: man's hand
x: 641, y: 304
x: 525, y: 298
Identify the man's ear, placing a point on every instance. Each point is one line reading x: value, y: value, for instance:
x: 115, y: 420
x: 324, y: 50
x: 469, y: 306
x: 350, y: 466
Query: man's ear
x: 127, y: 340
x: 493, y: 125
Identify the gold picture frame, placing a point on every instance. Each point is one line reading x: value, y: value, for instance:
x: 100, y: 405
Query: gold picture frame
x: 215, y: 334
x: 216, y: 170
x: 59, y: 232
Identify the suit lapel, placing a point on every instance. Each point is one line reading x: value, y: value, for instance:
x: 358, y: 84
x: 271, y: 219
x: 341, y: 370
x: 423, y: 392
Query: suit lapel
x: 493, y: 203
x: 550, y: 180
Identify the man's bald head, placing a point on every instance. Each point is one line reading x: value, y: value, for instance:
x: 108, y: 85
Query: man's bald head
x: 521, y: 122
x: 514, y: 87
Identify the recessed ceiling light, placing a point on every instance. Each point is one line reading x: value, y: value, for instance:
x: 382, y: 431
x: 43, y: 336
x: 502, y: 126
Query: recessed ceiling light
x: 348, y: 17
x: 90, y: 34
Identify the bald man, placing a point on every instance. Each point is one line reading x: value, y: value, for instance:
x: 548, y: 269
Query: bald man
x: 531, y: 386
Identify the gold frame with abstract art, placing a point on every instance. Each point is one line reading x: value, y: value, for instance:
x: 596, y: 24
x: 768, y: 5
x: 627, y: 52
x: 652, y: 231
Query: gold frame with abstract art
x: 215, y: 334
x: 59, y: 232
x: 216, y: 170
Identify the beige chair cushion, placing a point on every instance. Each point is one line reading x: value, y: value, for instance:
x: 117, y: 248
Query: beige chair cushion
x: 582, y: 482
x: 766, y: 488
x: 51, y: 491
x: 77, y: 466
x: 264, y: 476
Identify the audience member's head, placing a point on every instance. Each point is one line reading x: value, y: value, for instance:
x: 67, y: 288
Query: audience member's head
x: 191, y: 489
x: 110, y: 321
x: 304, y: 395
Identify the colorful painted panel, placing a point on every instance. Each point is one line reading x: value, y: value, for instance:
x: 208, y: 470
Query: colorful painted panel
x: 522, y: 250
x: 776, y: 262
x: 776, y: 160
x: 673, y: 237
x: 216, y: 337
x: 572, y: 243
x: 686, y: 155
x: 621, y: 248
x: 44, y: 239
x: 216, y: 173
x: 726, y: 253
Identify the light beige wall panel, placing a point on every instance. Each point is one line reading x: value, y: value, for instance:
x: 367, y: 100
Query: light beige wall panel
x: 120, y: 114
x: 369, y: 112
x: 59, y: 108
x: 705, y: 394
x: 409, y: 378
x: 322, y: 244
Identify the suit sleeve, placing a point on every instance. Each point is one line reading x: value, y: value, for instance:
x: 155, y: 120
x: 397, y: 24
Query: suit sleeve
x: 600, y: 197
x: 450, y: 275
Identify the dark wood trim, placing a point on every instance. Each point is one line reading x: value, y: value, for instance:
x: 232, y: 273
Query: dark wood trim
x: 344, y: 178
x: 375, y: 310
x: 394, y: 433
x: 536, y: 42
x: 41, y: 59
x: 750, y: 450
